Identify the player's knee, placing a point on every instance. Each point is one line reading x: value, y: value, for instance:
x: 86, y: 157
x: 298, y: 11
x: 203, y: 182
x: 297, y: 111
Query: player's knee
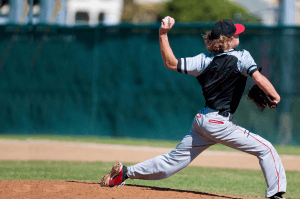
x: 267, y: 149
x: 164, y: 174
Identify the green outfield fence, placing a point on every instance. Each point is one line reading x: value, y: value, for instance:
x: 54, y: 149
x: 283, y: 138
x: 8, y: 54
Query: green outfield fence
x: 111, y: 81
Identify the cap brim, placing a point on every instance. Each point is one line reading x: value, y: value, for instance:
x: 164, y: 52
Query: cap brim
x: 239, y: 29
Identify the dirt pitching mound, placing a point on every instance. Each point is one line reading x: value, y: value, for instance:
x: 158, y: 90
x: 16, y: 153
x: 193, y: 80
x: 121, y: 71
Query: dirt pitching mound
x: 82, y: 190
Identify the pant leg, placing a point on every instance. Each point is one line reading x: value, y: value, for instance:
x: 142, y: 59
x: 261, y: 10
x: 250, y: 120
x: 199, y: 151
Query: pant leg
x: 164, y: 166
x: 229, y: 134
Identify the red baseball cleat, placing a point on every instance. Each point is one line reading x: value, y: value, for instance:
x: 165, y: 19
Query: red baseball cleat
x: 115, y: 177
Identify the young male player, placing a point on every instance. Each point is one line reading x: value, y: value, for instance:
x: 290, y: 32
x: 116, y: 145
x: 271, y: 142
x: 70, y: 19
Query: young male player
x: 223, y: 78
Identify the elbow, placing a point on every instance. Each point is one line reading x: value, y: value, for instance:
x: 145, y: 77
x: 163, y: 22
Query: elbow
x: 167, y: 64
x: 257, y: 77
x: 171, y: 65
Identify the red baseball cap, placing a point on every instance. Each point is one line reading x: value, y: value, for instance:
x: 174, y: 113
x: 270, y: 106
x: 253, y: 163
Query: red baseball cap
x: 226, y: 27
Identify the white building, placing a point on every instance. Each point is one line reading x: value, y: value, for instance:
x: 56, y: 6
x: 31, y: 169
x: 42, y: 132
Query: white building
x: 267, y: 10
x: 93, y: 12
x: 62, y: 12
x: 108, y: 12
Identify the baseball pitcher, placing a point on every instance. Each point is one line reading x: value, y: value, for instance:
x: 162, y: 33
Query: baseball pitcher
x: 222, y: 77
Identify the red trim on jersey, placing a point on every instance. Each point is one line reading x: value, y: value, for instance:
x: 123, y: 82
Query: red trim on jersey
x: 216, y: 121
x: 265, y: 146
x: 198, y: 115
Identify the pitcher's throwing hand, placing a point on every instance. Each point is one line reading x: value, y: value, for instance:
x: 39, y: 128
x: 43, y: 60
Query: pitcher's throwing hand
x: 166, y: 24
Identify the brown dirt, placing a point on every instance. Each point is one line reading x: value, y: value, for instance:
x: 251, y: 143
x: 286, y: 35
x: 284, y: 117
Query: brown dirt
x: 84, y: 190
x: 73, y: 151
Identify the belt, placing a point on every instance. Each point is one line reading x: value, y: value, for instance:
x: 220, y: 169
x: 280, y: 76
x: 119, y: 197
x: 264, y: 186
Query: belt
x: 223, y: 113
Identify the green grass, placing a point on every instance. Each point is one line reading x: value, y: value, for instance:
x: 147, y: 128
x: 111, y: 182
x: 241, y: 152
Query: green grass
x: 282, y: 150
x: 210, y: 180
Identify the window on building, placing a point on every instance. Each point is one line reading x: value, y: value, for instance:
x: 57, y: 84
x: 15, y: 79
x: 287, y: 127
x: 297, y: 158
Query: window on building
x: 101, y: 17
x: 4, y: 7
x: 3, y: 2
x: 36, y: 7
x: 82, y: 18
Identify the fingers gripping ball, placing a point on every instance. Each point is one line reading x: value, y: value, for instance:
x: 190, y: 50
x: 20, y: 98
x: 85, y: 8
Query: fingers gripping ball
x: 168, y: 22
x: 260, y: 98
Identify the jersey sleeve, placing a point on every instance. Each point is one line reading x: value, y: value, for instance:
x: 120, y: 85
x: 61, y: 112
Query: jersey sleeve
x: 246, y: 64
x: 193, y: 65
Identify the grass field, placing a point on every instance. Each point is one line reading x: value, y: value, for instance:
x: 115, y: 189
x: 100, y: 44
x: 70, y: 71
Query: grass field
x: 211, y: 180
x: 222, y: 181
x: 282, y: 150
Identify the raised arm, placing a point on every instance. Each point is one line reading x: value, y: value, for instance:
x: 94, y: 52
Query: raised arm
x: 265, y: 85
x: 167, y: 54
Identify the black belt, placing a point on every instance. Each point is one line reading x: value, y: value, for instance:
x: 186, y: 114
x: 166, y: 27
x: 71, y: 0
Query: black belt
x: 224, y: 113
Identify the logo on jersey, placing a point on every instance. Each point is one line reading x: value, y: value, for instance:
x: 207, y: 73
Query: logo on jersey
x: 216, y: 121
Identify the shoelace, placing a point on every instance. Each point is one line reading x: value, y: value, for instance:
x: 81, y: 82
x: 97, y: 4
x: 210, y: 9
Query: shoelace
x: 122, y: 184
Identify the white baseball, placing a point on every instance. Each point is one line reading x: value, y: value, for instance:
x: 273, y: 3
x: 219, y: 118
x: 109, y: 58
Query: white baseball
x: 166, y: 20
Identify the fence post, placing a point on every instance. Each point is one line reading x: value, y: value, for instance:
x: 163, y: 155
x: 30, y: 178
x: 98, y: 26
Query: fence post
x: 18, y: 11
x: 53, y: 12
x: 287, y: 88
x: 95, y: 77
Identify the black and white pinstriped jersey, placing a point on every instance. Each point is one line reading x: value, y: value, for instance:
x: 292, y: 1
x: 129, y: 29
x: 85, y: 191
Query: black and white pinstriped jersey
x: 222, y: 76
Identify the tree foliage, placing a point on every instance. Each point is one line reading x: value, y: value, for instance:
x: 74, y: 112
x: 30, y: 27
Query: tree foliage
x: 206, y: 11
x: 133, y: 12
x: 129, y: 10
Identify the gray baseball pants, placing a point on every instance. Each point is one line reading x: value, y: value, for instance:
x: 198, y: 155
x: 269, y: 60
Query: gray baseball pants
x: 208, y: 129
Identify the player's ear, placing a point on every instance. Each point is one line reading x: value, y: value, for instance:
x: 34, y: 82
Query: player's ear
x: 230, y: 43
